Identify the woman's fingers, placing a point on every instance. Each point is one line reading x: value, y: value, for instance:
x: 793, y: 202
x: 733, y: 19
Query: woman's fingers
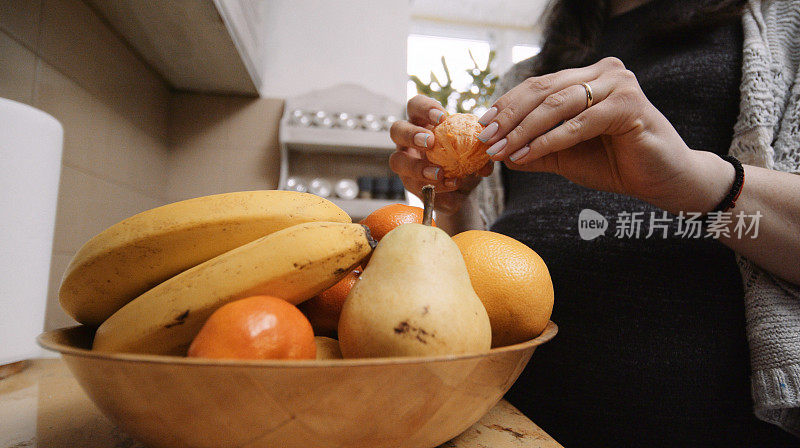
x: 555, y: 109
x: 419, y: 169
x: 546, y: 164
x: 406, y: 134
x: 425, y: 111
x: 415, y: 136
x: 589, y: 124
x: 510, y: 109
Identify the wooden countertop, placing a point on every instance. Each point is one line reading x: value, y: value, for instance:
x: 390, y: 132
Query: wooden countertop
x: 43, y: 406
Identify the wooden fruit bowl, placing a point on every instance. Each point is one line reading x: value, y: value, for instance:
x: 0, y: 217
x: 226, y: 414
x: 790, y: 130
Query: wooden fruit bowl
x: 167, y: 401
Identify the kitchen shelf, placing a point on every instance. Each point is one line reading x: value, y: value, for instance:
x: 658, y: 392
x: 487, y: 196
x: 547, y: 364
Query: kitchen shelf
x: 334, y: 153
x: 355, y: 141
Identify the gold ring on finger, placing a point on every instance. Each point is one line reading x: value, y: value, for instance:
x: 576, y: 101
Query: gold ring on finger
x: 589, y: 96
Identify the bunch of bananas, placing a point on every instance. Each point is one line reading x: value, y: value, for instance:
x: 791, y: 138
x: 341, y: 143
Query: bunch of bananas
x: 150, y: 282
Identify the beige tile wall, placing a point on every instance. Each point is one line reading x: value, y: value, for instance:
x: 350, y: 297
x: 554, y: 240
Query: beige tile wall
x: 57, y: 55
x: 222, y: 143
x: 16, y: 70
x: 77, y: 42
x: 20, y: 18
x: 130, y: 143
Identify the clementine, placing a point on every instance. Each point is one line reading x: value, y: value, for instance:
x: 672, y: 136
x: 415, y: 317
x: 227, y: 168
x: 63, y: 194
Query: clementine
x: 456, y: 147
x: 384, y: 219
x: 258, y: 327
x: 512, y: 281
x: 323, y: 310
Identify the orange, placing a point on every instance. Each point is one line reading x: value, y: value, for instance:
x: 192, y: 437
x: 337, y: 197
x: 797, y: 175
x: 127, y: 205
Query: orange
x: 258, y: 327
x: 384, y: 219
x: 456, y: 147
x: 512, y: 281
x: 323, y: 310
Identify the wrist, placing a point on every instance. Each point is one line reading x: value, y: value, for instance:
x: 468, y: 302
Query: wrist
x: 707, y: 181
x: 461, y: 215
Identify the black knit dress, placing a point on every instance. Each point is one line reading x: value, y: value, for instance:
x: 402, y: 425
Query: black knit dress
x: 651, y: 349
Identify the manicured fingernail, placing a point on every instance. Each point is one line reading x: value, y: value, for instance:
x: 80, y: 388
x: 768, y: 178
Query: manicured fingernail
x: 421, y: 139
x: 488, y: 116
x: 497, y: 147
x: 436, y: 115
x: 431, y: 172
x: 519, y: 154
x: 488, y: 132
x: 450, y: 183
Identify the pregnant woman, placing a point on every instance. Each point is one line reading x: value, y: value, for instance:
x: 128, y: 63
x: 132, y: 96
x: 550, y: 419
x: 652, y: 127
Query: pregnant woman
x: 658, y: 115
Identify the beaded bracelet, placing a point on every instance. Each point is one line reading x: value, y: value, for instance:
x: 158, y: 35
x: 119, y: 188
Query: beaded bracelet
x: 729, y: 201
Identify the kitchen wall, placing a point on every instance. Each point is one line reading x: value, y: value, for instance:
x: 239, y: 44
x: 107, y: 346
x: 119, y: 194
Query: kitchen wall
x: 313, y: 44
x: 58, y: 56
x: 222, y: 143
x: 130, y: 142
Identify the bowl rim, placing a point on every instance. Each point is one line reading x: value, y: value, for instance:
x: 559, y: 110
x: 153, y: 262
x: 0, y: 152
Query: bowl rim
x: 47, y: 340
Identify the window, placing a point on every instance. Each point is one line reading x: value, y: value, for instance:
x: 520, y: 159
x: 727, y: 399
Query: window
x: 425, y: 53
x: 522, y: 52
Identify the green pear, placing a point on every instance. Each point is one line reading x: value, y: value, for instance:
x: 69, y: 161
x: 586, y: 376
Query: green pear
x: 414, y: 298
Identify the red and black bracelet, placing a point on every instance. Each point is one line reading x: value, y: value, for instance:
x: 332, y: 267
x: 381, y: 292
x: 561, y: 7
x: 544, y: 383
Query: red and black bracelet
x: 729, y: 201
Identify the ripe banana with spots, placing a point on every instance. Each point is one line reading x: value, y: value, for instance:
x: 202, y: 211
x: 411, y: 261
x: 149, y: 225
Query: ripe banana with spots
x: 294, y: 264
x: 144, y: 250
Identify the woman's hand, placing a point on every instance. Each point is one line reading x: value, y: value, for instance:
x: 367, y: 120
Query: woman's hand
x: 621, y: 143
x: 413, y: 138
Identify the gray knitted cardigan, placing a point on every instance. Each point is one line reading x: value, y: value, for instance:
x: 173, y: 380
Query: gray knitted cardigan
x: 766, y: 134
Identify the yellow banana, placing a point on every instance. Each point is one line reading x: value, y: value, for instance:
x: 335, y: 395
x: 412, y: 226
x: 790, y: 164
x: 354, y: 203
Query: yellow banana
x: 142, y: 251
x: 293, y: 264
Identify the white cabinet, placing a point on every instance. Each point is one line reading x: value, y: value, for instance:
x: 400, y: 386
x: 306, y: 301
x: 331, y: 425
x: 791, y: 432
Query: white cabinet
x: 209, y: 46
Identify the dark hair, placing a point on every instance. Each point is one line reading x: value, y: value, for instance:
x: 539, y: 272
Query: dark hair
x: 572, y: 27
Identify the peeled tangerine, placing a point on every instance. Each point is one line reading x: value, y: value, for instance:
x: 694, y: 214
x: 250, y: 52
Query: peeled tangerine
x: 456, y: 147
